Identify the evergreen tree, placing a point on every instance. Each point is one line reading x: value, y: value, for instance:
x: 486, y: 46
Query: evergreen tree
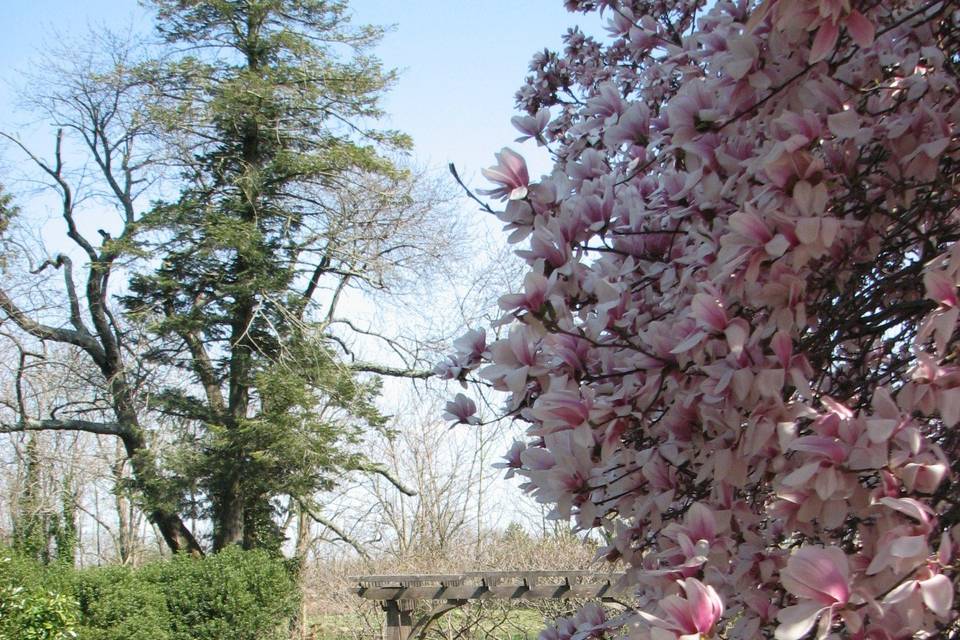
x: 268, y: 100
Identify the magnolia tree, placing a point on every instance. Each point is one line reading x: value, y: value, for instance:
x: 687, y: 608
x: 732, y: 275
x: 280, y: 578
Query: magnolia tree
x: 735, y: 346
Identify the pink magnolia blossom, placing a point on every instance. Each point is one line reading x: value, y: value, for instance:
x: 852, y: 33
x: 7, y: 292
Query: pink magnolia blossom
x: 820, y: 578
x: 531, y: 126
x: 688, y: 617
x: 510, y: 173
x: 461, y: 409
x: 737, y: 330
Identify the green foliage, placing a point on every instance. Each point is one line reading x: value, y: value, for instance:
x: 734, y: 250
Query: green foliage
x: 36, y: 615
x: 8, y: 210
x: 515, y: 533
x: 236, y: 594
x: 31, y: 607
x: 119, y: 603
x: 40, y: 532
x: 242, y: 595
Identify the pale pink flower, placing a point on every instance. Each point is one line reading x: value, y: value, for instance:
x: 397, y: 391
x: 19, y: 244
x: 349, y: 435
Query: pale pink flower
x: 512, y: 459
x: 531, y: 126
x: 824, y: 42
x: 510, y: 173
x: 461, y: 409
x: 820, y: 578
x: 688, y: 617
x: 708, y: 311
x: 941, y: 288
x: 934, y: 590
x: 860, y: 29
x: 535, y: 287
x: 728, y: 237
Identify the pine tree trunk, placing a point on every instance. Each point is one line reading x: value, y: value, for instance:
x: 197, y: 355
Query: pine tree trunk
x: 229, y: 525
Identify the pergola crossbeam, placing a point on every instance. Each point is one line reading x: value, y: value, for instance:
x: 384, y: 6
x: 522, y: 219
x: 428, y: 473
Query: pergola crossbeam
x: 400, y: 593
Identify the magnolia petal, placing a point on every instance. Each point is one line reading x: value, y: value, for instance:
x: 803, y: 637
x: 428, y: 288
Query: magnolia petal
x: 782, y: 346
x: 901, y: 592
x: 948, y: 401
x: 708, y: 311
x: 860, y: 29
x: 937, y: 594
x: 944, y: 326
x: 824, y: 42
x: 829, y: 227
x: 807, y: 229
x: 801, y: 476
x: 797, y: 620
x: 880, y: 429
x: 519, y: 193
x: 940, y: 288
x: 689, y: 343
x: 737, y: 333
x: 908, y: 507
x: 777, y: 246
x: 826, y: 484
x: 908, y: 546
x: 845, y: 124
x: 770, y: 382
x: 803, y: 196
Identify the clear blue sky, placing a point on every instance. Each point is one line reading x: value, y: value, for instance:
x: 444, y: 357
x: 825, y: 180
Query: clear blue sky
x: 462, y: 61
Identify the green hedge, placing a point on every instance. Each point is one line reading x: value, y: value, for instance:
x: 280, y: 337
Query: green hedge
x: 34, y: 601
x: 117, y: 603
x: 246, y: 595
x: 242, y: 595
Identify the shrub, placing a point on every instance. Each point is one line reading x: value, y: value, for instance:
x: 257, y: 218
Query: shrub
x: 242, y: 595
x: 119, y: 603
x: 28, y: 609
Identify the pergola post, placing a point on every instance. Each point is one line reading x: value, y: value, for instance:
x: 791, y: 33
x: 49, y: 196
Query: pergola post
x: 399, y: 619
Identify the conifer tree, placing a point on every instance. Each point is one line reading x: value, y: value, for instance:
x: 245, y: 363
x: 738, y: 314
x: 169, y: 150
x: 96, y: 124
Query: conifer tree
x: 269, y: 97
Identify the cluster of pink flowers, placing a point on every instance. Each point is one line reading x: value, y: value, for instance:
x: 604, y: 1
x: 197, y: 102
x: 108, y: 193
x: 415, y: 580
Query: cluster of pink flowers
x: 735, y: 348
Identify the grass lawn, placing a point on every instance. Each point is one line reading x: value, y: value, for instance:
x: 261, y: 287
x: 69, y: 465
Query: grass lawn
x: 495, y: 624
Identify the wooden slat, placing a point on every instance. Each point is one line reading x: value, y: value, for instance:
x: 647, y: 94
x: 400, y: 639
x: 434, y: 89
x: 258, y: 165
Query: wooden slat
x: 492, y: 576
x: 382, y: 580
x: 541, y: 574
x: 491, y: 592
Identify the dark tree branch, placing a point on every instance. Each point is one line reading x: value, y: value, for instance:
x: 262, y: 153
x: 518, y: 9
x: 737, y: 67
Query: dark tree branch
x: 45, y: 332
x: 393, y: 372
x: 386, y: 473
x: 98, y: 428
x: 340, y: 533
x: 64, y: 262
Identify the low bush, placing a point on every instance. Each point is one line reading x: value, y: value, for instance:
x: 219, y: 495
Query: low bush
x: 31, y: 606
x: 118, y: 603
x: 236, y: 594
x: 242, y: 595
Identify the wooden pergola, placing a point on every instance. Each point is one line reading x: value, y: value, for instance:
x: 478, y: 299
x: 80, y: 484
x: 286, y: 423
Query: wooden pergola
x: 399, y: 594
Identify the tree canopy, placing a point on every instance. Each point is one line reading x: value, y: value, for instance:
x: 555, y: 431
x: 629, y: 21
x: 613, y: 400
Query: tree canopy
x: 735, y: 348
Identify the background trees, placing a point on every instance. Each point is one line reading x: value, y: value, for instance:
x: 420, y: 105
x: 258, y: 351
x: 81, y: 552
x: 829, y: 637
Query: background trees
x: 228, y: 371
x: 735, y: 347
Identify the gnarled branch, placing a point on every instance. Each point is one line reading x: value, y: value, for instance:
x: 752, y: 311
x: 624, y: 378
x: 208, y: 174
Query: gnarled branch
x: 87, y: 426
x: 42, y: 331
x: 386, y: 473
x: 340, y: 533
x: 394, y: 372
